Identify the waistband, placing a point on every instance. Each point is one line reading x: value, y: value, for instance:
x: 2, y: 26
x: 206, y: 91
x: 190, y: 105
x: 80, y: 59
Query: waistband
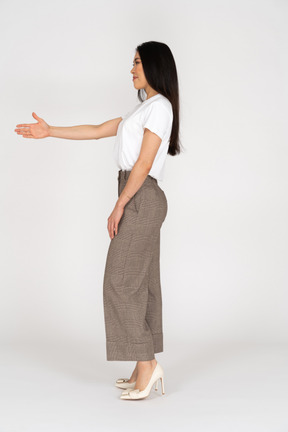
x: 124, y: 175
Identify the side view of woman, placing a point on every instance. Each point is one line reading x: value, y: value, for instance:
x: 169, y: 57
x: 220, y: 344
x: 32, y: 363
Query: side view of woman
x: 132, y: 297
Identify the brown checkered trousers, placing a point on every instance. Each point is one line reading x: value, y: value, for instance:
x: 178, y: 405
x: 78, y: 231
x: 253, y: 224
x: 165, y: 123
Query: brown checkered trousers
x: 131, y: 284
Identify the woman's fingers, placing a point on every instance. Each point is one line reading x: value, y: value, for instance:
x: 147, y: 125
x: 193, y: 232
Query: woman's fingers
x: 112, y: 228
x: 26, y: 133
x: 112, y: 232
x: 113, y: 221
x: 109, y: 227
x: 23, y: 130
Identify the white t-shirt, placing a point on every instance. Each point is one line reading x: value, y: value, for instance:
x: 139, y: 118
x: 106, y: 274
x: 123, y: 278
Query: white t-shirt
x: 154, y: 113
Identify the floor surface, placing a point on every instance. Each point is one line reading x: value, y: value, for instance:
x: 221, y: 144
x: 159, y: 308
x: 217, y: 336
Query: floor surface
x: 208, y: 388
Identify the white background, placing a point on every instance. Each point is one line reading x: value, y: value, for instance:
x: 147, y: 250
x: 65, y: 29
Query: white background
x: 224, y: 241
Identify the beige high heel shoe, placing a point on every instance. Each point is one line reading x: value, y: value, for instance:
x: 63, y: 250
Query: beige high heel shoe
x: 137, y: 394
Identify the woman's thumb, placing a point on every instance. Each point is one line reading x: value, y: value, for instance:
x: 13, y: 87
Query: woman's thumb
x: 35, y: 116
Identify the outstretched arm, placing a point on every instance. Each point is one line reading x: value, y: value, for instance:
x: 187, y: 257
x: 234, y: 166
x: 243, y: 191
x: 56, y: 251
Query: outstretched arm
x: 41, y: 129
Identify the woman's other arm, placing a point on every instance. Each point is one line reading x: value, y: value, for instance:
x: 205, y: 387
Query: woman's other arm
x: 41, y: 129
x: 149, y: 148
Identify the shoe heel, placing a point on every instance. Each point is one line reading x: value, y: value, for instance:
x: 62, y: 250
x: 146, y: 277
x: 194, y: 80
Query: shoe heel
x: 156, y: 385
x: 162, y: 385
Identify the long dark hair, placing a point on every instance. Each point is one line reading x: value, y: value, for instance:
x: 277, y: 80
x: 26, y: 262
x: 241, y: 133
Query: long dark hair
x: 161, y: 74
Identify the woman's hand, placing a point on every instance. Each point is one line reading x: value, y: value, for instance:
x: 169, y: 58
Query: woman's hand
x: 33, y: 130
x: 114, y: 220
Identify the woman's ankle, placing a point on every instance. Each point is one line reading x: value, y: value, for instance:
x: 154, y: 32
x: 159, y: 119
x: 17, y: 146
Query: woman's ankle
x: 142, y: 363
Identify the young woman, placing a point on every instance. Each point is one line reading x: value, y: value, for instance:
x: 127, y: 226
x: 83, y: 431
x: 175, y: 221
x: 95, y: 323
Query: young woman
x: 131, y: 285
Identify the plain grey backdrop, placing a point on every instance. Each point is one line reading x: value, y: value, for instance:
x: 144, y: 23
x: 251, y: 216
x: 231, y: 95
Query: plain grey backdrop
x: 224, y: 241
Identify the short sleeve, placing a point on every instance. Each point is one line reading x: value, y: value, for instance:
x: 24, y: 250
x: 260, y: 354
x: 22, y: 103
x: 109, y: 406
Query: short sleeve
x: 157, y: 119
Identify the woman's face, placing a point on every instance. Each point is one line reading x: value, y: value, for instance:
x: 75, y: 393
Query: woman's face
x: 139, y: 79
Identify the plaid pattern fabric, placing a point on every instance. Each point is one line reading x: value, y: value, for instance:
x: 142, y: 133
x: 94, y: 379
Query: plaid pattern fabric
x: 131, y: 284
